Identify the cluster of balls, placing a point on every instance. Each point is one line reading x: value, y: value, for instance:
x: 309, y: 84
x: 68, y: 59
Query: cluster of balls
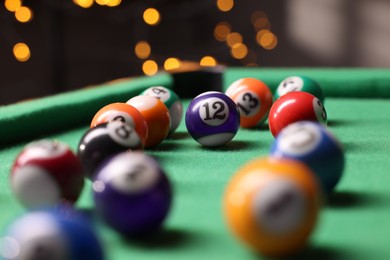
x: 132, y: 193
x: 272, y: 203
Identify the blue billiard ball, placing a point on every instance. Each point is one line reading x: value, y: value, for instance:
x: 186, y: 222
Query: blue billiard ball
x: 132, y: 194
x: 212, y: 119
x: 53, y: 235
x: 315, y: 146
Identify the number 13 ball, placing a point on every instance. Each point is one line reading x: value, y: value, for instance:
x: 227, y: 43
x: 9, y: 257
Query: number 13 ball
x: 253, y: 98
x: 212, y: 119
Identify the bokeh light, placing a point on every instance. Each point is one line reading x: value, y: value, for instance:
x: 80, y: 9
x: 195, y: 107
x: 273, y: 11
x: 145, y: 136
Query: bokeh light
x: 151, y: 16
x: 102, y: 2
x: 84, y: 3
x: 21, y: 52
x: 208, y: 61
x: 266, y: 39
x: 225, y: 5
x: 23, y: 14
x: 149, y: 67
x: 172, y: 63
x: 12, y: 5
x: 221, y: 31
x: 233, y: 39
x: 142, y: 50
x: 239, y: 51
x: 113, y: 3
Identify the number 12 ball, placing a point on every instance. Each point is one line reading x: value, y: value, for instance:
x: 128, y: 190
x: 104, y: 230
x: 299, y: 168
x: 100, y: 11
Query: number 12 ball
x: 212, y: 119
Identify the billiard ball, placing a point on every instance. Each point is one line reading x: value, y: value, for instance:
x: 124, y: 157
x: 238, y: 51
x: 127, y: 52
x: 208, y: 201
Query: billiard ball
x: 171, y: 101
x: 125, y: 113
x: 48, y: 234
x: 132, y: 194
x: 45, y: 174
x: 272, y: 205
x: 156, y: 115
x: 103, y: 141
x: 212, y: 118
x: 314, y: 145
x: 299, y: 83
x: 295, y: 106
x: 253, y: 98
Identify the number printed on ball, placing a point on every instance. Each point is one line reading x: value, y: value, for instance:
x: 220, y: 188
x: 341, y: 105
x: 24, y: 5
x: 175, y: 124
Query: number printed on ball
x: 123, y: 134
x: 319, y: 110
x: 248, y: 103
x: 289, y: 85
x: 159, y: 92
x: 280, y: 206
x: 214, y: 111
x: 299, y: 139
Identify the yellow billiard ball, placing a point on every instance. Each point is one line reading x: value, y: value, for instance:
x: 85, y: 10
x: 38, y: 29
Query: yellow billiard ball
x: 272, y: 205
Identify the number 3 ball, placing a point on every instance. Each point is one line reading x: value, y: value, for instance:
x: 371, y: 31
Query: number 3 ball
x: 103, y: 141
x: 272, y: 205
x: 212, y: 119
x: 125, y: 113
x: 45, y: 174
x: 293, y: 107
x: 253, y: 98
x: 132, y: 193
x: 314, y: 145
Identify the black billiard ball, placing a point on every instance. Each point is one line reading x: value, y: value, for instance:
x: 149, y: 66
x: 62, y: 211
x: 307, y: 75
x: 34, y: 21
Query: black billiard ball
x: 103, y: 141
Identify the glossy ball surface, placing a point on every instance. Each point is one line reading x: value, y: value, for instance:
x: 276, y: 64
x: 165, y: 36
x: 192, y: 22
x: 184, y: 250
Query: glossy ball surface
x: 212, y: 119
x: 156, y: 115
x: 253, y: 98
x: 51, y: 235
x: 272, y: 205
x: 299, y: 83
x: 132, y: 194
x: 46, y: 173
x: 125, y: 113
x: 103, y: 141
x: 171, y: 101
x: 314, y: 145
x: 293, y: 107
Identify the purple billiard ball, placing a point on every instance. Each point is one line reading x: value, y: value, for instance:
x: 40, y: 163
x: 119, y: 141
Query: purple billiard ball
x: 314, y: 145
x: 132, y: 193
x: 212, y: 119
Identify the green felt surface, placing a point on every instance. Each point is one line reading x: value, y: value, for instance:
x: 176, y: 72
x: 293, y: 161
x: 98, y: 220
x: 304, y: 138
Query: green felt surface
x: 47, y: 115
x: 354, y: 224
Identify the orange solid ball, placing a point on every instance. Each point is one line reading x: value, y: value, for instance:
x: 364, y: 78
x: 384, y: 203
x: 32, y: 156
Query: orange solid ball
x: 253, y: 98
x: 272, y: 205
x: 156, y: 115
x: 125, y: 113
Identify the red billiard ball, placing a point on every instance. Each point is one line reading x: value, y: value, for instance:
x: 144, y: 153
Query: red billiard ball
x: 125, y: 113
x: 293, y: 107
x: 45, y: 174
x: 156, y: 115
x: 253, y: 98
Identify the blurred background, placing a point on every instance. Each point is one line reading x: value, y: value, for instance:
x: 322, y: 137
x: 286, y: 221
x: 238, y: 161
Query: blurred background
x: 52, y: 46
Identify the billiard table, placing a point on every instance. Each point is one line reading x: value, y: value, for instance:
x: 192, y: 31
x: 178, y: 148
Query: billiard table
x: 354, y: 221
